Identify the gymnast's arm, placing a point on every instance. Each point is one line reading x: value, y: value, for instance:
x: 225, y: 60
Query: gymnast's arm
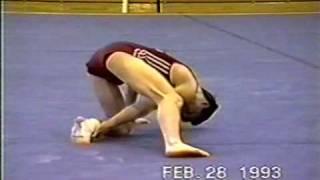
x: 140, y: 108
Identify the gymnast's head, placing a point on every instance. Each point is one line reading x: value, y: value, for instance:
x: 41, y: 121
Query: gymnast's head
x: 204, y: 107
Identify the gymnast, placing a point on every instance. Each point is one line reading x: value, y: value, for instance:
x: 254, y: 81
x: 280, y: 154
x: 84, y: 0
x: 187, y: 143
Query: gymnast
x: 154, y: 81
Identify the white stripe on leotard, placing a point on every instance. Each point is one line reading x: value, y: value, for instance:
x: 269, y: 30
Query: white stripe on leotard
x: 153, y: 60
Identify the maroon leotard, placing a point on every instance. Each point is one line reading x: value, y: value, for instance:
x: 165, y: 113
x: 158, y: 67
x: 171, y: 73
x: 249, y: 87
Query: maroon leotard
x: 153, y: 57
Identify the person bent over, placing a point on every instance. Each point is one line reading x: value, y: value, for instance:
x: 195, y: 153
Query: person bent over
x: 154, y: 81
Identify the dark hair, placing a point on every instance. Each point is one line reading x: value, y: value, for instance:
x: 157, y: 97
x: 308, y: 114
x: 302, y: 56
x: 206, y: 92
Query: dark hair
x: 205, y: 112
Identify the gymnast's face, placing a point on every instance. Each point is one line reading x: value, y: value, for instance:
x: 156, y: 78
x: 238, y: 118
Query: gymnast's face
x: 194, y: 107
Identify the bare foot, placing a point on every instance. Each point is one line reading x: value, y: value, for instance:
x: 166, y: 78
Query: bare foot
x: 184, y: 150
